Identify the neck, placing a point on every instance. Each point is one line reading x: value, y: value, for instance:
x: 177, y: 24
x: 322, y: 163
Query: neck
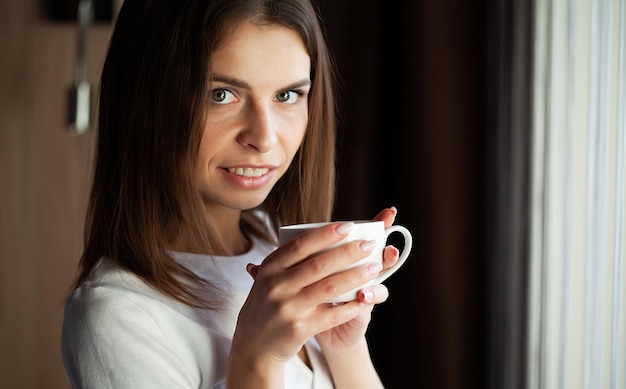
x: 229, y: 236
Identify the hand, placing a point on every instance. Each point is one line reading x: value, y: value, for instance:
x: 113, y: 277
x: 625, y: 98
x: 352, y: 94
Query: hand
x: 286, y: 306
x: 349, y: 334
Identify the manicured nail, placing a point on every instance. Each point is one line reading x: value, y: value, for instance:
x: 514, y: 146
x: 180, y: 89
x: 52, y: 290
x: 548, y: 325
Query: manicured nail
x: 252, y: 269
x: 394, y: 250
x: 345, y: 228
x: 367, y: 295
x: 367, y: 245
x: 375, y: 268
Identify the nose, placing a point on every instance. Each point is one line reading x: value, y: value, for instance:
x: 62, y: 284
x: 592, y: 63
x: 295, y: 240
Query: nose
x: 259, y: 131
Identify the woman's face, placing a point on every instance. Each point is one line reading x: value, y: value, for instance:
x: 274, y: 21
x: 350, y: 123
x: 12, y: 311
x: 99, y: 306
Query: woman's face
x: 257, y: 115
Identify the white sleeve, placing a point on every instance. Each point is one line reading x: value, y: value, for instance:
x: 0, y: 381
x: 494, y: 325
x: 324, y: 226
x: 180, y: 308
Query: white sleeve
x: 110, y: 340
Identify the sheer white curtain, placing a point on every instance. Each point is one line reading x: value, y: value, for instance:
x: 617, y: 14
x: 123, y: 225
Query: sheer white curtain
x: 577, y: 291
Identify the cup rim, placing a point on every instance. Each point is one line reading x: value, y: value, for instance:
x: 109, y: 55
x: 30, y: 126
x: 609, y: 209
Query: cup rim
x: 321, y: 224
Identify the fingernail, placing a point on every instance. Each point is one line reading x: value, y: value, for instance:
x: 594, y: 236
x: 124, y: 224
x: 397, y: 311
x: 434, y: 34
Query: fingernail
x: 252, y: 269
x: 375, y: 268
x: 367, y: 294
x: 367, y: 245
x: 345, y: 228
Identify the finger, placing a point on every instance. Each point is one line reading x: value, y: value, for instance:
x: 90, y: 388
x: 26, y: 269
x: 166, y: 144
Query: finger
x: 322, y: 276
x: 338, y: 283
x: 374, y: 294
x: 305, y: 245
x: 333, y: 315
x: 390, y: 256
x: 387, y: 215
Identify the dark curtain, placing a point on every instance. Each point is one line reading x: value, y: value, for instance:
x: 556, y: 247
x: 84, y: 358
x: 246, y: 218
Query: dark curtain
x: 412, y: 133
x: 510, y: 69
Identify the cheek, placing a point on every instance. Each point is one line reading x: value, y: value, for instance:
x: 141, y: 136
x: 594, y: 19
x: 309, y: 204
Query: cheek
x: 204, y: 149
x: 209, y: 147
x: 294, y: 137
x: 213, y: 137
x: 295, y: 125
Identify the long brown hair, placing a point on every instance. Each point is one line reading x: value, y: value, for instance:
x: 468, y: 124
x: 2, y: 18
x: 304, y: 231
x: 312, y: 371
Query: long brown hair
x: 153, y: 88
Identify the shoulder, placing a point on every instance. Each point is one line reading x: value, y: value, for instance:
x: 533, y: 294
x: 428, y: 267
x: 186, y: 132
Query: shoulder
x: 113, y: 297
x: 118, y: 330
x: 111, y: 307
x: 108, y: 291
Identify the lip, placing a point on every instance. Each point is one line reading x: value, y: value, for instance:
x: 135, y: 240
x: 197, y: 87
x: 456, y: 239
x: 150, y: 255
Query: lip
x: 249, y: 176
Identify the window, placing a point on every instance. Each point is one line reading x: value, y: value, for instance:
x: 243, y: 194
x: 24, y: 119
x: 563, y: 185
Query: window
x: 577, y: 295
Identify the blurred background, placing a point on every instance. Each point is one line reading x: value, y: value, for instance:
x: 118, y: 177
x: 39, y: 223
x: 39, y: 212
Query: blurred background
x: 462, y: 114
x: 412, y: 134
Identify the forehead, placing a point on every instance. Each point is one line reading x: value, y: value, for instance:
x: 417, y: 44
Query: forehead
x: 253, y: 51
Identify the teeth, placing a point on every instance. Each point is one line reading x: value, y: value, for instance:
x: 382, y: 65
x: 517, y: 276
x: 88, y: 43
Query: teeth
x: 248, y: 172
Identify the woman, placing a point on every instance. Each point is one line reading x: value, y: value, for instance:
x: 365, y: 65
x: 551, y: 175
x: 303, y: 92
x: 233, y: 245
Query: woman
x: 216, y: 126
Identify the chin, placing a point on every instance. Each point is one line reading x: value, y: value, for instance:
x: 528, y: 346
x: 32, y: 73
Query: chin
x: 248, y: 204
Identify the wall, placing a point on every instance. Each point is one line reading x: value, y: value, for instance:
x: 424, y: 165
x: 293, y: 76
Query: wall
x: 44, y: 182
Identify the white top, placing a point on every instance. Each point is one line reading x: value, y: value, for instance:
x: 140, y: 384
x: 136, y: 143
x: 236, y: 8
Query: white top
x: 118, y: 332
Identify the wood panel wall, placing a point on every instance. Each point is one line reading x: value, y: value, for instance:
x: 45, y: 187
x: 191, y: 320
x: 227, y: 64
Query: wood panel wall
x: 44, y: 184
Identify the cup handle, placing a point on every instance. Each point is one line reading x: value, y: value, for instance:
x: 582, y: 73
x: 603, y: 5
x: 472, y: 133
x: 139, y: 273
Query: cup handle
x: 408, y: 244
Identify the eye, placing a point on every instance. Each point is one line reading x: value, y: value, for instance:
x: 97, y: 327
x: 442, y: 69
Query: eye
x: 222, y: 96
x: 289, y: 96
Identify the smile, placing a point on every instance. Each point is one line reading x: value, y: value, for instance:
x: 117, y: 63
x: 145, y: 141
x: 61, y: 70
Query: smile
x: 249, y: 172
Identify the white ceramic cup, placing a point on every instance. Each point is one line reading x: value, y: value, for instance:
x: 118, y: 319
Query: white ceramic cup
x: 363, y: 230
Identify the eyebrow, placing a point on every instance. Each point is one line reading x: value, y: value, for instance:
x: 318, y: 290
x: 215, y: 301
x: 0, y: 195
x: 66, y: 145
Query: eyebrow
x: 245, y: 85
